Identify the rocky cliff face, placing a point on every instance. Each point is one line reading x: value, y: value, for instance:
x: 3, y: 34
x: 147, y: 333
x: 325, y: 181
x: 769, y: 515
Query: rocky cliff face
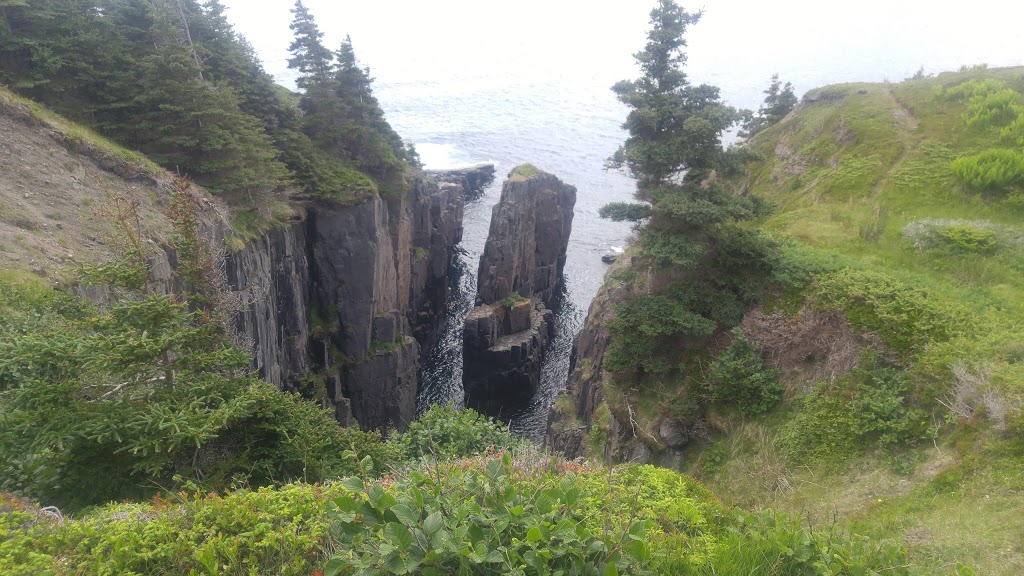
x: 350, y: 296
x: 344, y: 300
x: 526, y: 244
x: 505, y: 336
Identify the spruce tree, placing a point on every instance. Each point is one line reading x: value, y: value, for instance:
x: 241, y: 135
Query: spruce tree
x: 708, y: 266
x: 778, y: 102
x: 309, y: 56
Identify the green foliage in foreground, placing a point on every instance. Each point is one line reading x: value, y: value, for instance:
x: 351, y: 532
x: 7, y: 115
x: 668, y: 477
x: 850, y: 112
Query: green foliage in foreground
x: 517, y: 513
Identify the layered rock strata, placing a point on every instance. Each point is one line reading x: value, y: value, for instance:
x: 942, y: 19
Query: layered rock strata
x: 342, y: 301
x: 521, y: 267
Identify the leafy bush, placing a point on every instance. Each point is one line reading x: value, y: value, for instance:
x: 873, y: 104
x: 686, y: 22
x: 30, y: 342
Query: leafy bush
x: 905, y: 317
x: 445, y: 432
x: 740, y: 377
x: 478, y: 520
x: 504, y: 516
x: 870, y: 407
x: 995, y: 108
x: 969, y: 239
x: 265, y: 531
x: 991, y: 171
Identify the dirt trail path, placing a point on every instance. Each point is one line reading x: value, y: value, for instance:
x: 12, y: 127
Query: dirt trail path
x: 907, y: 123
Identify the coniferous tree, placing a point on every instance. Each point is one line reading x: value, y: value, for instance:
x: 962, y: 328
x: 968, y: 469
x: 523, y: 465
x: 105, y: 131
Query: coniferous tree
x: 309, y: 56
x: 711, y: 266
x: 778, y: 102
x: 673, y: 127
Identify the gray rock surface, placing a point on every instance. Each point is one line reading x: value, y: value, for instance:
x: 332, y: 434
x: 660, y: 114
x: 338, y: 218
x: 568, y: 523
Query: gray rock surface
x: 357, y: 292
x: 473, y: 178
x: 504, y: 343
x: 528, y: 237
x: 503, y: 369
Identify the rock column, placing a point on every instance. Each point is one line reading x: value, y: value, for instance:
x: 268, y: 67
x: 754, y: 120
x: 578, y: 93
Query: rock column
x: 520, y: 271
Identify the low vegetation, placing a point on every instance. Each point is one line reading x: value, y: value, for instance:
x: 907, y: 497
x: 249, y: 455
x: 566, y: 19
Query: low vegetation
x: 893, y: 209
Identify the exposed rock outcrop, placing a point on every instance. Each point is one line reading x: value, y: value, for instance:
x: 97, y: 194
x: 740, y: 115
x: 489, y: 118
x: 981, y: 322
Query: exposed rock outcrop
x: 473, y: 178
x: 505, y: 336
x: 527, y: 241
x: 353, y: 294
x: 348, y: 296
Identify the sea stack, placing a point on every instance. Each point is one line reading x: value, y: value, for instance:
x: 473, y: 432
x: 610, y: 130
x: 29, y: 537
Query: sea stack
x: 520, y: 272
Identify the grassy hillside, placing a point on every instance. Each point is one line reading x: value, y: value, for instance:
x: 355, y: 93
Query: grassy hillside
x: 862, y: 179
x: 876, y: 378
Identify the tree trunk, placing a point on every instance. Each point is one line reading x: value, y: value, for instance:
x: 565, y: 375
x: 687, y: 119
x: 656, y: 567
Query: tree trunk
x: 188, y: 38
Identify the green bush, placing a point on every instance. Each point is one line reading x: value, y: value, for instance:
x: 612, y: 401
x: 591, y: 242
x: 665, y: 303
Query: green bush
x: 265, y: 531
x: 502, y: 516
x: 511, y: 300
x: 871, y: 407
x: 445, y: 432
x: 969, y: 238
x: 991, y: 171
x: 739, y: 377
x: 102, y: 405
x: 995, y: 108
x: 905, y: 317
x: 478, y: 520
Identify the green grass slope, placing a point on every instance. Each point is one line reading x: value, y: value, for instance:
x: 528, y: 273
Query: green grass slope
x: 928, y: 263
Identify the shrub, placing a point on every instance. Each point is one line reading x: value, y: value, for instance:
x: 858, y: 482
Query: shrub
x: 871, y: 407
x: 740, y: 377
x: 995, y: 108
x: 969, y: 239
x: 446, y: 432
x: 265, y: 531
x: 905, y: 317
x: 991, y: 171
x: 511, y: 300
x: 485, y: 517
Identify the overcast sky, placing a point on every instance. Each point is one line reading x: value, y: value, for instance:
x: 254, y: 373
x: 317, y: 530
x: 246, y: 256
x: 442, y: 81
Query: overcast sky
x: 737, y: 45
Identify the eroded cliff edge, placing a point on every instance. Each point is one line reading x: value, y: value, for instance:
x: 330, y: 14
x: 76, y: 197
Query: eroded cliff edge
x: 343, y: 303
x: 504, y: 337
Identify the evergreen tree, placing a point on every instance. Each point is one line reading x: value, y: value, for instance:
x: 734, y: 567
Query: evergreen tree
x: 710, y: 267
x: 309, y: 56
x: 673, y: 127
x: 778, y: 102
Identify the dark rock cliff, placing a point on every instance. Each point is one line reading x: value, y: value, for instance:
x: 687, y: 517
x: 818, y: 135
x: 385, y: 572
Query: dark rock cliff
x: 505, y: 336
x: 348, y: 298
x: 527, y: 241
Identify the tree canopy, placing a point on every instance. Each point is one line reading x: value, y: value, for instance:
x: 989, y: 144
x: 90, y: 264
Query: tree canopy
x: 779, y: 100
x: 172, y: 79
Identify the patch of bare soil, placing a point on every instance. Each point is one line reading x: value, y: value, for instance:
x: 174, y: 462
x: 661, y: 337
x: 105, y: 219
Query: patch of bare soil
x: 51, y: 197
x: 811, y: 346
